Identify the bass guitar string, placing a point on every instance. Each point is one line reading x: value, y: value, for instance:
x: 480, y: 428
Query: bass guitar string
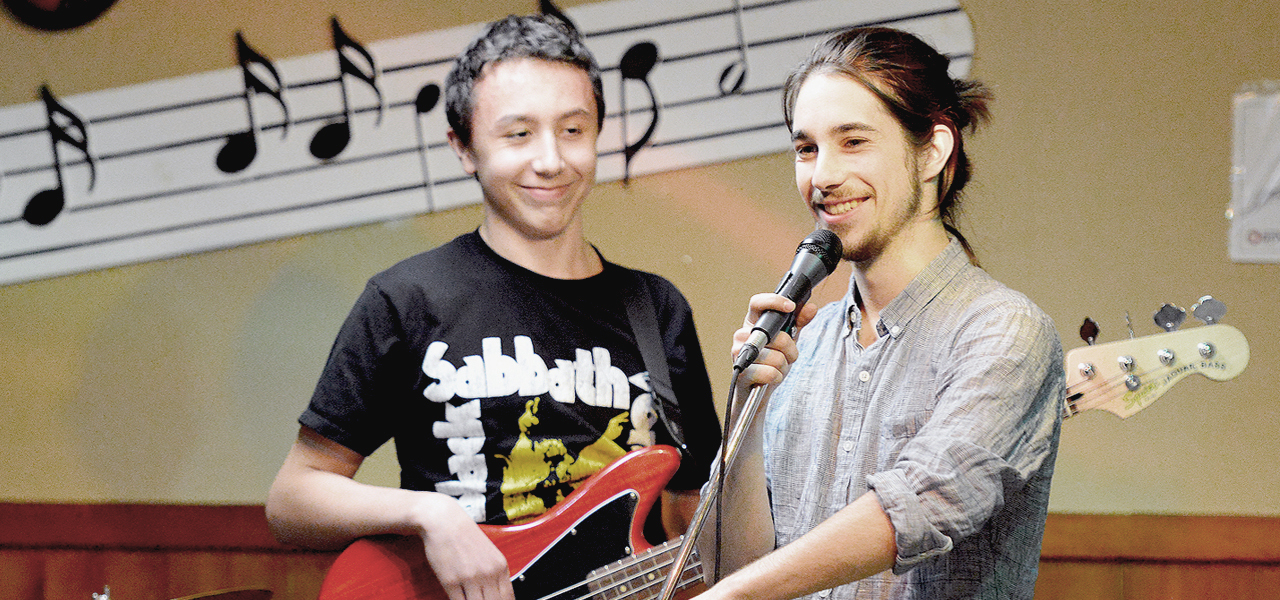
x: 1107, y: 388
x: 663, y: 551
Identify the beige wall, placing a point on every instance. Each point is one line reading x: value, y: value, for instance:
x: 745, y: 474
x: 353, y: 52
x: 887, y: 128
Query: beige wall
x: 1100, y: 189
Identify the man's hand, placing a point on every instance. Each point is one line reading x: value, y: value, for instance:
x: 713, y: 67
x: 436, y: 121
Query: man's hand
x: 775, y: 359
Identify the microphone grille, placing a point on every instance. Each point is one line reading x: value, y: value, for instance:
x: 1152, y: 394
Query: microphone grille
x: 826, y: 244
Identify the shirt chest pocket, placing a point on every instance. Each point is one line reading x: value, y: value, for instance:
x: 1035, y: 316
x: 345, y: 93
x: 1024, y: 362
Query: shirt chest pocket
x: 896, y: 430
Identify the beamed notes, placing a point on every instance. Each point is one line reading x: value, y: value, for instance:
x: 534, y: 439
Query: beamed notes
x: 274, y: 147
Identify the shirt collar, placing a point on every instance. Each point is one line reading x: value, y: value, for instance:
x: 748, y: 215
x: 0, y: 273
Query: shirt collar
x: 922, y: 290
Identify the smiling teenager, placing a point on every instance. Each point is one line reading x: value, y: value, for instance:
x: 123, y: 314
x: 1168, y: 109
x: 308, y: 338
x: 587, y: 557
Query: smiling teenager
x: 503, y: 363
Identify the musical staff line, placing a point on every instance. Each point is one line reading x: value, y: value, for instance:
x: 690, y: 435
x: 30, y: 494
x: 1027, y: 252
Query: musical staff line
x: 803, y: 36
x: 109, y: 203
x: 686, y: 19
x: 711, y: 136
x: 220, y: 221
x: 143, y: 151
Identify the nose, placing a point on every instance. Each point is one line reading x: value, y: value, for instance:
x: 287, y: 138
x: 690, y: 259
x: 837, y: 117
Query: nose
x: 827, y: 174
x: 548, y: 158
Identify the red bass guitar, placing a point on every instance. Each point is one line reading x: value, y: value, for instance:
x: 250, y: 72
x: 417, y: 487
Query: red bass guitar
x: 591, y: 545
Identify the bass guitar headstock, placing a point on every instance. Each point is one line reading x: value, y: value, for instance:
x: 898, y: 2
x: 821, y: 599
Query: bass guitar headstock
x: 1125, y: 377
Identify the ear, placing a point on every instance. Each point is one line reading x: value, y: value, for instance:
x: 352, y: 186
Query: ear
x: 463, y: 152
x: 936, y: 155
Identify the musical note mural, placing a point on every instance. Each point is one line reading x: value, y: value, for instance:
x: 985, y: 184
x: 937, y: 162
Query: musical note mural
x: 241, y: 148
x: 271, y: 148
x: 64, y: 126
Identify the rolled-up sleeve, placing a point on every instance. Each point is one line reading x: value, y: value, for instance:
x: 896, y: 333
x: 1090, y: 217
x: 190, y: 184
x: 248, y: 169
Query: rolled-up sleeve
x: 991, y: 429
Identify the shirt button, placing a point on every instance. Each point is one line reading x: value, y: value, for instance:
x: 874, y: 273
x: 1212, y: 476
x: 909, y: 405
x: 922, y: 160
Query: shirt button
x: 895, y: 330
x: 864, y: 376
x: 848, y: 446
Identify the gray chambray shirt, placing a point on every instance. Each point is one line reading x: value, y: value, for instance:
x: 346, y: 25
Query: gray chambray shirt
x: 951, y: 417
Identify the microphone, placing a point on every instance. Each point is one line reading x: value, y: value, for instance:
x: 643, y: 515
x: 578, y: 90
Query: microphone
x: 816, y: 258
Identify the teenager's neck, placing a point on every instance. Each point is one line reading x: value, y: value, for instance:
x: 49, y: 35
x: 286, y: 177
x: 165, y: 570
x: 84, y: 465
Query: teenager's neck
x: 566, y: 256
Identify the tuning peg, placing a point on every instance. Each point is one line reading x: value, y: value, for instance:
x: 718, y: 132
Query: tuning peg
x: 1170, y: 317
x: 1209, y: 310
x: 1089, y: 331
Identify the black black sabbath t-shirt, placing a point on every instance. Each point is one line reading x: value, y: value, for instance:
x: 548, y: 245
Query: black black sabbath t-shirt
x: 503, y: 388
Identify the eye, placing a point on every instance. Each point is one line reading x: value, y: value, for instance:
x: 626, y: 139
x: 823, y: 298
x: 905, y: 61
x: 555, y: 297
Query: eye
x: 577, y: 127
x: 852, y: 143
x: 805, y: 150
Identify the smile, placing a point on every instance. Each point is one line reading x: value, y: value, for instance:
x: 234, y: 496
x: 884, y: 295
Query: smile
x: 546, y: 194
x: 838, y: 208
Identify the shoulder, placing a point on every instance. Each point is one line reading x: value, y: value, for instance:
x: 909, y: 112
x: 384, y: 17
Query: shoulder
x: 664, y: 292
x: 990, y: 296
x: 441, y: 259
x: 983, y: 306
x: 428, y: 285
x: 453, y: 263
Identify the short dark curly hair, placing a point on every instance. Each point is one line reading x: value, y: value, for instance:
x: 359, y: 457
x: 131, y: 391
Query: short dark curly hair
x: 537, y: 36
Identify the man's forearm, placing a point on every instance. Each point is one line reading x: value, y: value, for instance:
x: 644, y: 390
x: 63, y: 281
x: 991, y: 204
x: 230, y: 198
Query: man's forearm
x: 854, y: 543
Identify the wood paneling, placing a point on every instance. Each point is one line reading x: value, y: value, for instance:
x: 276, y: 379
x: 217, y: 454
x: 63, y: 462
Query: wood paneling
x: 156, y: 575
x: 1165, y: 557
x: 147, y: 552
x: 1162, y: 538
x: 150, y: 526
x: 1080, y: 581
x: 159, y: 552
x: 1174, y: 581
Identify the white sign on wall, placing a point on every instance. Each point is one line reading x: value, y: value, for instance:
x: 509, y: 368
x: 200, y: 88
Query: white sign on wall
x: 270, y: 149
x: 1255, y: 174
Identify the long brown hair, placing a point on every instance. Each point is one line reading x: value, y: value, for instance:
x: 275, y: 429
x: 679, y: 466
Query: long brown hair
x: 911, y: 78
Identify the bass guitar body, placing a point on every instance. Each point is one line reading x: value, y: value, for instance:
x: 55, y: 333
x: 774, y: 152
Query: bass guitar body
x: 550, y: 557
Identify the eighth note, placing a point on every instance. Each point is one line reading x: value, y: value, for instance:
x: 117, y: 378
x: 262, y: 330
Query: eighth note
x: 636, y: 64
x: 734, y: 77
x: 45, y: 206
x: 333, y: 138
x: 241, y: 148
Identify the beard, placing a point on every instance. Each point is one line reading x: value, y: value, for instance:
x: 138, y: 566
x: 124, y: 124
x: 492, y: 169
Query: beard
x: 874, y: 242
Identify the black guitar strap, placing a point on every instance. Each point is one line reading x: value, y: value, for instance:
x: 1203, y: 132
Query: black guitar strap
x: 644, y: 324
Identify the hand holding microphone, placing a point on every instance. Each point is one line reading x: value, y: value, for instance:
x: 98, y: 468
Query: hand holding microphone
x: 816, y: 258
